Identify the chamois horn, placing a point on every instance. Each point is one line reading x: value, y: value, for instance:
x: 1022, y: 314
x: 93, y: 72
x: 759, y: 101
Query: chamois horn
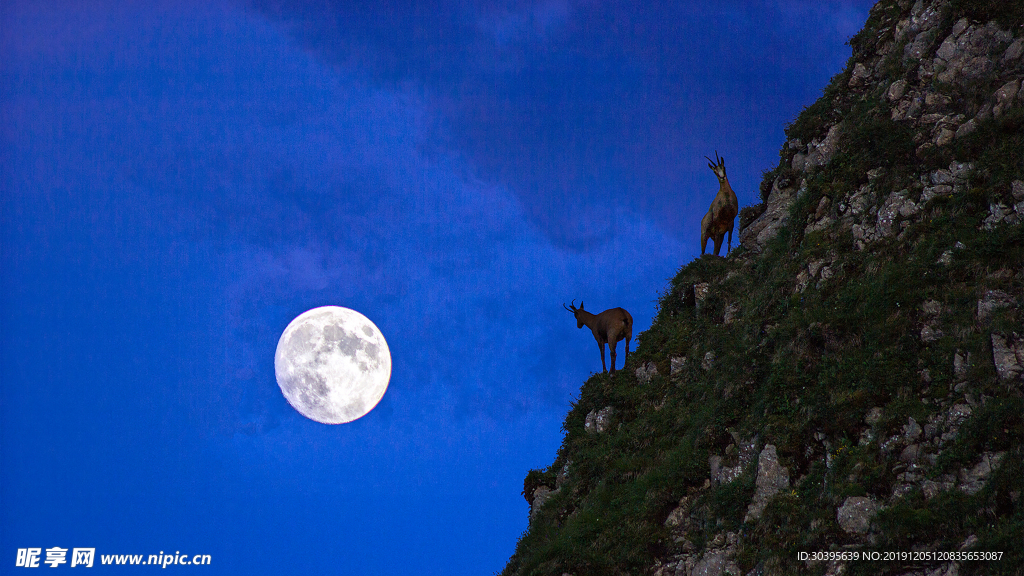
x: 717, y: 161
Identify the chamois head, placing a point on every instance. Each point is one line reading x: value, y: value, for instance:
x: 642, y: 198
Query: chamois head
x: 575, y: 311
x: 718, y: 167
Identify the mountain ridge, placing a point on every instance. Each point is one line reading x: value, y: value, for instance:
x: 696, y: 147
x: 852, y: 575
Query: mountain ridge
x: 847, y: 382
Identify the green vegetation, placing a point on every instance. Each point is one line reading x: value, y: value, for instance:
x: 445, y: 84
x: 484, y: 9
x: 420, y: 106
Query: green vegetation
x: 1009, y: 15
x: 759, y: 359
x: 789, y: 366
x: 998, y: 146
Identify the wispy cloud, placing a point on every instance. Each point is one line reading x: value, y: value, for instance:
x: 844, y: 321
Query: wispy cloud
x: 586, y: 106
x: 300, y: 184
x: 523, y: 23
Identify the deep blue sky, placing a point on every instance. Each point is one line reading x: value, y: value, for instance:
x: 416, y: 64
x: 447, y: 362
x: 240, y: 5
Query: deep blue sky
x: 181, y: 180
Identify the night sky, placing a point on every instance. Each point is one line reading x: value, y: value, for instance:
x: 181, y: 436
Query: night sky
x: 180, y: 180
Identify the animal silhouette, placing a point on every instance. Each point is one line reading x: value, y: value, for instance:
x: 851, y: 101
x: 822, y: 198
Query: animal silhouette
x: 608, y: 327
x: 723, y: 210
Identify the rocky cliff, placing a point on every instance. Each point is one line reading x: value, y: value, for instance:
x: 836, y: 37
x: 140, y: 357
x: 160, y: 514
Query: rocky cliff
x: 843, y: 393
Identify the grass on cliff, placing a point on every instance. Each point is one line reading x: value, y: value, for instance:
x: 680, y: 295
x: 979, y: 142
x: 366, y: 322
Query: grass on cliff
x: 1009, y: 15
x: 792, y: 367
x: 789, y: 366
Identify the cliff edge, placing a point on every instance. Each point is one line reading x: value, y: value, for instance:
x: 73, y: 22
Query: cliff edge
x: 843, y: 394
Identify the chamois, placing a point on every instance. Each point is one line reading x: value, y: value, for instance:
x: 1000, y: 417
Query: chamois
x: 608, y: 327
x: 722, y: 213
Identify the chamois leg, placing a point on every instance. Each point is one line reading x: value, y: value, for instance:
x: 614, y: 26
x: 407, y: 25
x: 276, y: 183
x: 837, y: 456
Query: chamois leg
x: 729, y: 249
x: 603, y: 367
x: 612, y: 344
x: 718, y: 244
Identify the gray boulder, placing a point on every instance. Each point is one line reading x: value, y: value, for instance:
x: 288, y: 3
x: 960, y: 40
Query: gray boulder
x: 775, y: 215
x: 855, y: 515
x: 771, y: 477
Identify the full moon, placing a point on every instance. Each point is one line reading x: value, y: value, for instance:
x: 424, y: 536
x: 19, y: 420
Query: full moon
x: 332, y: 364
